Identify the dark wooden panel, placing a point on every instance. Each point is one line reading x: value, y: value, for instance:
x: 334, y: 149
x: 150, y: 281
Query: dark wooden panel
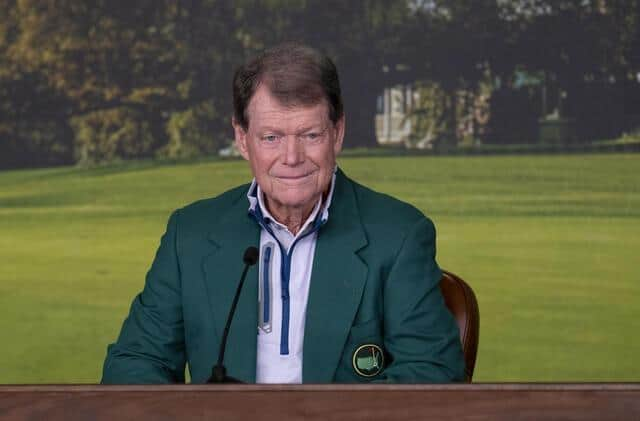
x: 321, y: 402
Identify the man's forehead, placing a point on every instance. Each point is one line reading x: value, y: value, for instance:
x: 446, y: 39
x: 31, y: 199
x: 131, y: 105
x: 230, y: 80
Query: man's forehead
x: 265, y: 108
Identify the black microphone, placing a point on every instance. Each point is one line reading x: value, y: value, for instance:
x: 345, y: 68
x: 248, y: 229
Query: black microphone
x: 219, y: 372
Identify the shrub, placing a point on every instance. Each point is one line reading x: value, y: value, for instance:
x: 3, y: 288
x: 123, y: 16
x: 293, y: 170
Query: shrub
x: 107, y: 135
x: 193, y: 132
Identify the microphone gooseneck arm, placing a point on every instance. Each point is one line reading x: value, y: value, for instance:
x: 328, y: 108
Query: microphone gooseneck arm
x: 219, y: 372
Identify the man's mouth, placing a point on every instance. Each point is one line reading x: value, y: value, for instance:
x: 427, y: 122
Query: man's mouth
x: 294, y: 178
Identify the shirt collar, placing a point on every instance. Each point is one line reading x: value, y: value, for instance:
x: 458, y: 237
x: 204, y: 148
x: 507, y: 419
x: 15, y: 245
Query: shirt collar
x: 258, y: 209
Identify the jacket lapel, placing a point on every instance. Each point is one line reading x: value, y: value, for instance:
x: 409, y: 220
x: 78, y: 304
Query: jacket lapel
x: 337, y: 282
x: 234, y: 232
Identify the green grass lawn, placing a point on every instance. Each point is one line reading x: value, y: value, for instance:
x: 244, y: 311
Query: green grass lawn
x: 549, y: 243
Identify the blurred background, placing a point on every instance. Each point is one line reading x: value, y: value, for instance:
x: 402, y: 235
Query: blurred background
x: 513, y: 124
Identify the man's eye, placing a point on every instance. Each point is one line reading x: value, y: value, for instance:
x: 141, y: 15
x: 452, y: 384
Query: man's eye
x: 270, y: 138
x: 312, y: 136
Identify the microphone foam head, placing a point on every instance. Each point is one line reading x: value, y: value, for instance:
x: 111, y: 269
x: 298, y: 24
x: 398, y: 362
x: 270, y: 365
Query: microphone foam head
x: 250, y: 256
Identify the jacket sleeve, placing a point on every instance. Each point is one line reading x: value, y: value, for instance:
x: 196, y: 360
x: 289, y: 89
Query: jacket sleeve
x: 150, y: 347
x: 420, y: 333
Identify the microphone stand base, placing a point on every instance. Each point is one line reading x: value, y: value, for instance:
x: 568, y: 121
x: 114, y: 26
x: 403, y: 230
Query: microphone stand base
x: 219, y: 376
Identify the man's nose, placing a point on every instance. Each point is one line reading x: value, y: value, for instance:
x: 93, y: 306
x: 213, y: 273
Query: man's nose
x: 294, y: 151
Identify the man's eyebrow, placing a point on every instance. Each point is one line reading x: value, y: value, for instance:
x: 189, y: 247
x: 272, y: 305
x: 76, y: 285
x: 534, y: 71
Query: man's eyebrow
x: 263, y: 129
x: 320, y: 127
x: 312, y: 127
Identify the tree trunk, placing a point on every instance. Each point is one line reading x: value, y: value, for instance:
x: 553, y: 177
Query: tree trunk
x: 452, y: 119
x: 360, y: 98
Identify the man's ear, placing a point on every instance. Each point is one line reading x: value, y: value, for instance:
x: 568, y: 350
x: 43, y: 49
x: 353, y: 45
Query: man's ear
x: 339, y: 128
x: 241, y: 138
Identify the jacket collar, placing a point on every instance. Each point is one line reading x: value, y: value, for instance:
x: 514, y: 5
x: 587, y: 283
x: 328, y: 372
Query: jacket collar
x: 233, y: 233
x: 337, y: 282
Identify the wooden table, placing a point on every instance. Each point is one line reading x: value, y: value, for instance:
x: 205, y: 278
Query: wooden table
x: 598, y: 401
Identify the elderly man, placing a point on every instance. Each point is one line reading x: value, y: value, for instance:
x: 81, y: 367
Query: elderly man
x: 346, y: 285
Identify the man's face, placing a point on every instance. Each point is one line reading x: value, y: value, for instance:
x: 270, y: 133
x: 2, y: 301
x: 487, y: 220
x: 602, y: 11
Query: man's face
x: 292, y: 150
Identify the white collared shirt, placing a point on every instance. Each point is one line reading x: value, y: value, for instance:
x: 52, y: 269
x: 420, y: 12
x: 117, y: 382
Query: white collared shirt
x: 282, y: 319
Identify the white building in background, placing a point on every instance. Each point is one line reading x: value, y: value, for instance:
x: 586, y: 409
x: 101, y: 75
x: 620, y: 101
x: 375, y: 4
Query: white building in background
x: 393, y: 127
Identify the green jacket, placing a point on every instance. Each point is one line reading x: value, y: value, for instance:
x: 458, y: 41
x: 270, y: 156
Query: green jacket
x: 374, y: 281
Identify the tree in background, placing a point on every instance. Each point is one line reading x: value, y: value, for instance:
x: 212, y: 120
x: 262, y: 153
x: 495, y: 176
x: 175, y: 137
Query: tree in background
x: 366, y: 40
x: 136, y: 63
x: 33, y: 129
x: 585, y: 53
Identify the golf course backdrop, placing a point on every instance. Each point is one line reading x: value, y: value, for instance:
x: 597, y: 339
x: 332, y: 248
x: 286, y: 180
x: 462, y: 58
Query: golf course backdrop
x: 550, y: 245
